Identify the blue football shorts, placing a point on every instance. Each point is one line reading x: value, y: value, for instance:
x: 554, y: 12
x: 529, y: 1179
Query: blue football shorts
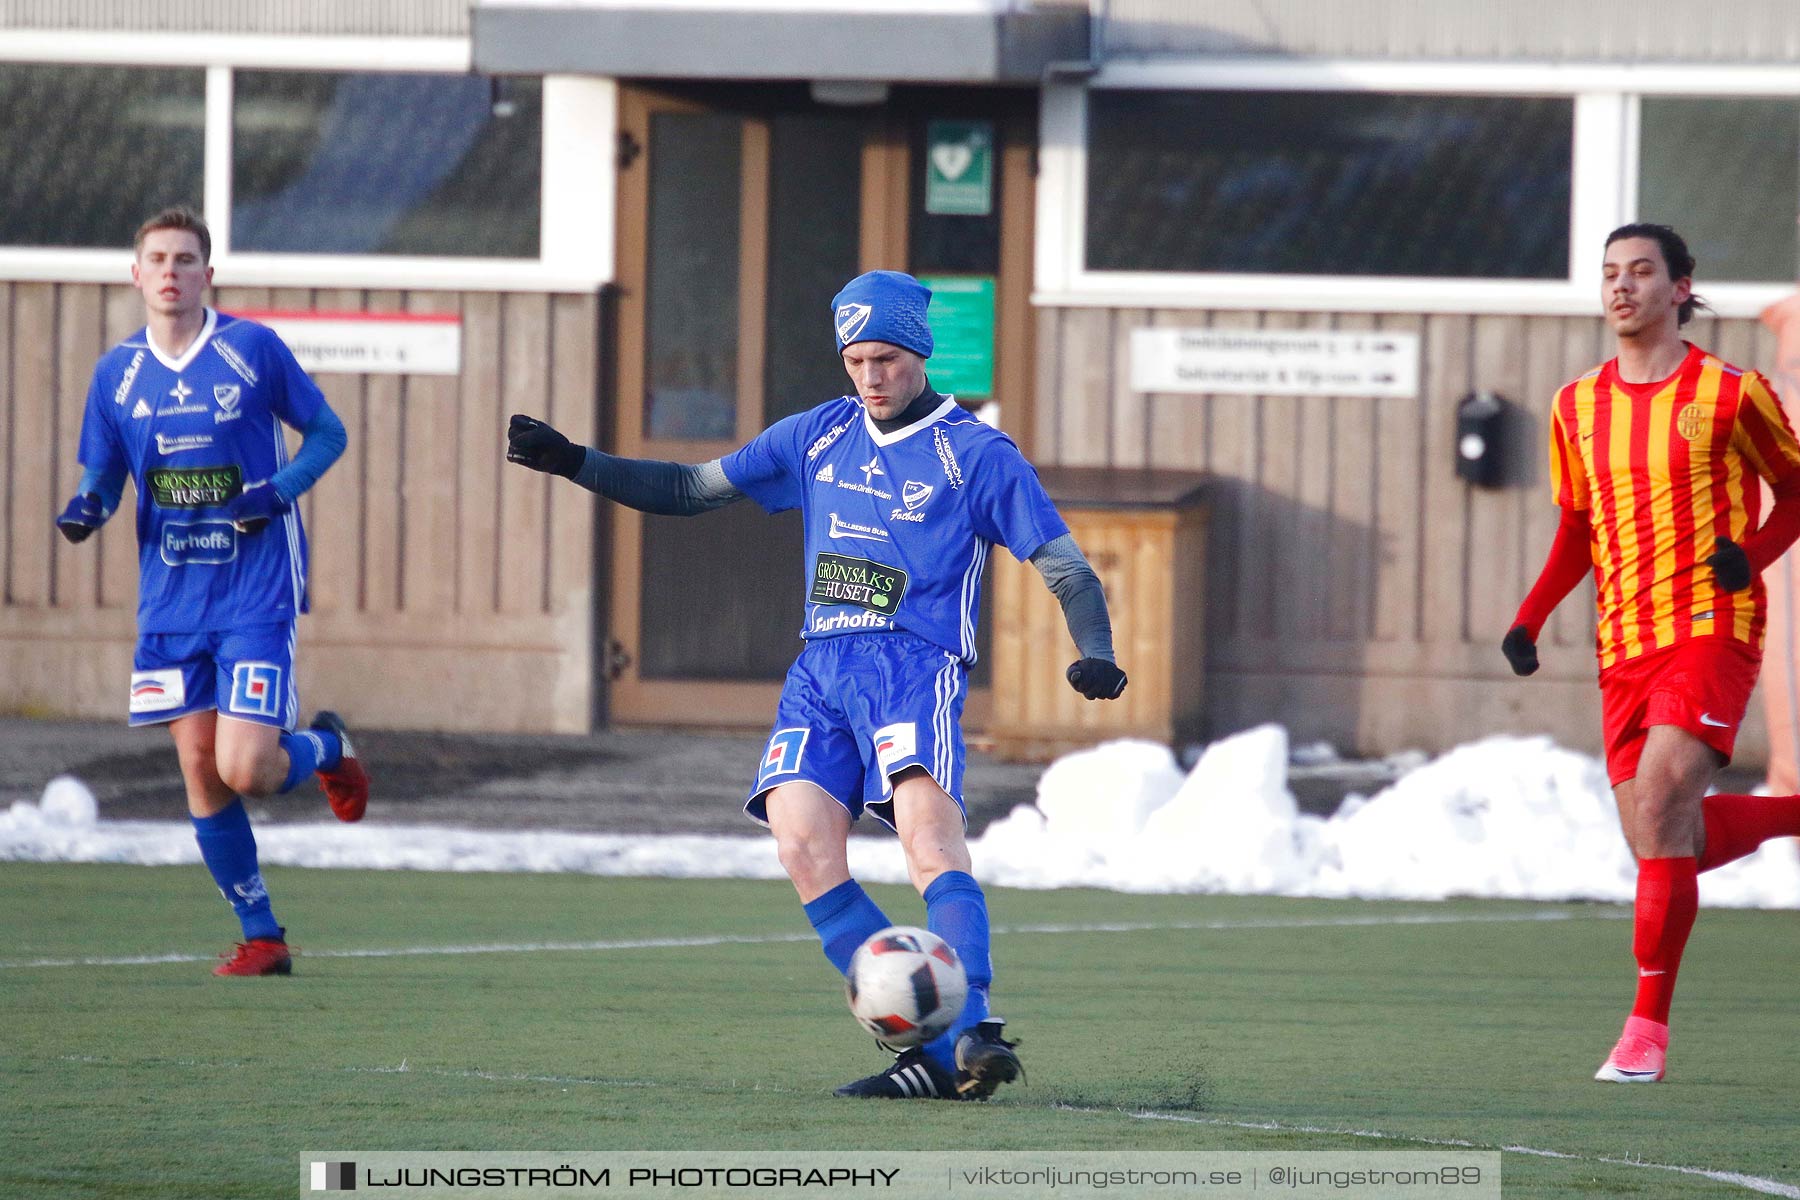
x: 245, y: 673
x: 859, y: 708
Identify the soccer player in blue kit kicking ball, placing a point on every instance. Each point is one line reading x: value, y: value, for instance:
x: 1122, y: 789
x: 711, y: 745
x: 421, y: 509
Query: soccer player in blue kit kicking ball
x: 191, y: 406
x: 903, y: 494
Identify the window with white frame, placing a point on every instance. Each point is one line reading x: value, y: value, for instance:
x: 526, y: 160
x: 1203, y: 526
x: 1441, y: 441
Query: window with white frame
x: 1365, y: 186
x: 89, y: 151
x: 1329, y: 183
x: 1725, y: 171
x: 321, y: 174
x: 327, y: 162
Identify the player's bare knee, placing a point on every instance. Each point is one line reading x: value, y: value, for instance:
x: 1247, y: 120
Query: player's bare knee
x: 1665, y: 821
x: 933, y: 849
x: 1667, y: 792
x: 239, y: 776
x: 816, y: 864
x: 256, y: 774
x: 197, y: 762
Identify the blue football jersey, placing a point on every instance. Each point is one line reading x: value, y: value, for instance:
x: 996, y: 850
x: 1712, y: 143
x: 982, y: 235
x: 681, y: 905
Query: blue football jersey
x: 193, y: 432
x: 898, y: 525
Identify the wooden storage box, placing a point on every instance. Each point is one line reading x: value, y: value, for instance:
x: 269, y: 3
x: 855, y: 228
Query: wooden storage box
x: 1145, y: 534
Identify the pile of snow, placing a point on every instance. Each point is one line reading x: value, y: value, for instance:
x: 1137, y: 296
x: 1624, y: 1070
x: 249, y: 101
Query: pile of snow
x: 1516, y: 818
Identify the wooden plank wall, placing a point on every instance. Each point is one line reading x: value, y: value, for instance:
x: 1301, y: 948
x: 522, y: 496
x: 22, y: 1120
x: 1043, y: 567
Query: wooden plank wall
x: 448, y: 590
x: 1356, y: 589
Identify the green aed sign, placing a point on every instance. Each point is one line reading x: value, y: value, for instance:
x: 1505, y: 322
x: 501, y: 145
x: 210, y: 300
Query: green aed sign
x: 959, y: 168
x: 962, y: 333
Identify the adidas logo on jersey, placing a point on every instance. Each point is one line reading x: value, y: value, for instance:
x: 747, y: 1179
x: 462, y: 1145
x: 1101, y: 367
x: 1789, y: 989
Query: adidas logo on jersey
x: 142, y: 410
x: 825, y: 474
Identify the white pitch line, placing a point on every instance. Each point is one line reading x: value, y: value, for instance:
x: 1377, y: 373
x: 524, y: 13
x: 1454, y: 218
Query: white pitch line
x: 504, y: 1077
x: 1598, y: 914
x: 1755, y: 1183
x: 769, y: 939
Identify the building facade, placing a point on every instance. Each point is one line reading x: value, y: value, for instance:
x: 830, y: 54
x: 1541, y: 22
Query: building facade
x: 1342, y: 220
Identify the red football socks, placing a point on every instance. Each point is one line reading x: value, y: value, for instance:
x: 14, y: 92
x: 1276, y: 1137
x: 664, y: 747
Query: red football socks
x: 1737, y: 825
x: 1668, y: 897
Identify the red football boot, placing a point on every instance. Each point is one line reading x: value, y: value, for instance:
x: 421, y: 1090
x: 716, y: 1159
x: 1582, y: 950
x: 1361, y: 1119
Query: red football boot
x: 347, y: 784
x: 258, y: 956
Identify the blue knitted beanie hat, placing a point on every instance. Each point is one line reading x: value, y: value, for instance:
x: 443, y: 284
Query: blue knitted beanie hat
x: 883, y: 306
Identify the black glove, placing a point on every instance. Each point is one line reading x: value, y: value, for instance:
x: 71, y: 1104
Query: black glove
x: 82, y: 517
x: 1520, y: 650
x: 1730, y: 565
x: 1096, y: 679
x: 531, y: 443
x: 252, y: 509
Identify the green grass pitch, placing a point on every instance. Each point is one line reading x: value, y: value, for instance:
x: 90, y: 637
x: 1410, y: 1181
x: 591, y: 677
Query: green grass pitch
x: 1201, y: 1019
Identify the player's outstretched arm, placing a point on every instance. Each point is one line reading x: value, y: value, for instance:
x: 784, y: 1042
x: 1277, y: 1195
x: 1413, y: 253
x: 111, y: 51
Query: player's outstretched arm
x: 1569, y: 562
x: 1069, y: 577
x: 663, y: 488
x: 536, y: 444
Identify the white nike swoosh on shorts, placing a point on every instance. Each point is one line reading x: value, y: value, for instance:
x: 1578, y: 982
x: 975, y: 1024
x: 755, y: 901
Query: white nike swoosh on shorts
x: 1707, y: 719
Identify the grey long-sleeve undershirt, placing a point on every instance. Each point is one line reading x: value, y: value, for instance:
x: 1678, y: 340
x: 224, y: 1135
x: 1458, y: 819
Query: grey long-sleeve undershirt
x: 682, y: 490
x: 664, y: 488
x: 1072, y: 581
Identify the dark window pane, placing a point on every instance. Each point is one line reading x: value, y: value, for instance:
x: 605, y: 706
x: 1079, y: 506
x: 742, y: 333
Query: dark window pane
x: 814, y: 241
x: 723, y: 595
x: 89, y: 152
x: 330, y: 163
x: 1726, y: 174
x: 696, y: 168
x: 1329, y: 184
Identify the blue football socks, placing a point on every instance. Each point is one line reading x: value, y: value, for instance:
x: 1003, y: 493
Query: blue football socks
x: 845, y: 918
x: 229, y: 850
x: 309, y: 750
x: 956, y: 910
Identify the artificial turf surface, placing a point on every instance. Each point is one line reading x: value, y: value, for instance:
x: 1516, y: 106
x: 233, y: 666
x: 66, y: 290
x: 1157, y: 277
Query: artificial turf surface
x: 1205, y: 1023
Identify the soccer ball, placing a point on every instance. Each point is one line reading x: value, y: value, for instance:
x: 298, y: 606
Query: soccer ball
x: 906, y: 985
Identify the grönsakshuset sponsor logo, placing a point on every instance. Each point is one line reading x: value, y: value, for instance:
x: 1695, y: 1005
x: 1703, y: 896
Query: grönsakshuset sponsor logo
x: 197, y: 487
x: 845, y: 579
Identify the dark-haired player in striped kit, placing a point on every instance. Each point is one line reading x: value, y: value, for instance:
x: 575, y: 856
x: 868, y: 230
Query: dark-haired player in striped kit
x: 1656, y: 459
x: 903, y: 495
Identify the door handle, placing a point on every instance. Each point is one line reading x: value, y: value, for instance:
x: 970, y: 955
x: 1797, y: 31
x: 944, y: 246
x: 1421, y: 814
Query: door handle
x: 617, y: 659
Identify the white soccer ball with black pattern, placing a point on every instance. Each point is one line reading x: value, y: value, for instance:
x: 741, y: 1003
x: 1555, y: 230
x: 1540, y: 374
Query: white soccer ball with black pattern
x: 906, y: 985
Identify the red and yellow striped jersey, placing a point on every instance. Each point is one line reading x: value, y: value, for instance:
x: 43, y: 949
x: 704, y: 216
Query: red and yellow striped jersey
x: 1665, y: 468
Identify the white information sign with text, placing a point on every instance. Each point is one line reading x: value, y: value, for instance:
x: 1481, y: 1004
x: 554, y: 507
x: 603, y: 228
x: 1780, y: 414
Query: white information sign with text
x: 1298, y: 362
x: 361, y: 343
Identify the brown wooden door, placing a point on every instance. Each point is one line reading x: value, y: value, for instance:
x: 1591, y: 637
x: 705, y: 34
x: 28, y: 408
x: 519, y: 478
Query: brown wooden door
x: 741, y: 212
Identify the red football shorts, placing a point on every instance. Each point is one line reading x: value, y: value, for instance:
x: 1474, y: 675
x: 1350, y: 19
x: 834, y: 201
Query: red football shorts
x: 1701, y: 685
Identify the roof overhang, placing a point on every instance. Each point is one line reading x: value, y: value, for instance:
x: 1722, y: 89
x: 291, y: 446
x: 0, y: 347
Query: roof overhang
x: 922, y: 41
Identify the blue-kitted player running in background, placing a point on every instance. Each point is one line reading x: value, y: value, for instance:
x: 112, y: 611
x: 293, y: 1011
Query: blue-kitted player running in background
x: 903, y: 494
x: 191, y: 406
